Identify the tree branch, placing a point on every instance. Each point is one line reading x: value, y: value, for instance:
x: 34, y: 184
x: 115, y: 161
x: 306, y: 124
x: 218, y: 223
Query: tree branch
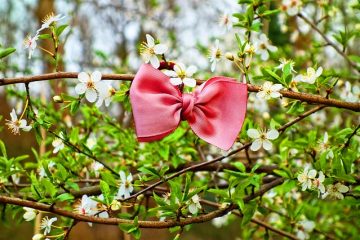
x: 309, y: 98
x: 141, y: 224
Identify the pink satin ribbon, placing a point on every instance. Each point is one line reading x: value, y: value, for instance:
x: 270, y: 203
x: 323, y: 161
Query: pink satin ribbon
x: 215, y: 111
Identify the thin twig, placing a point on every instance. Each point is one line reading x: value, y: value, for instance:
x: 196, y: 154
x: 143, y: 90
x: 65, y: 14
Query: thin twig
x: 202, y: 164
x: 329, y: 42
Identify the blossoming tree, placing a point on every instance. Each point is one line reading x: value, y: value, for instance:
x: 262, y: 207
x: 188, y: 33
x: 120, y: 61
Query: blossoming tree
x: 293, y: 171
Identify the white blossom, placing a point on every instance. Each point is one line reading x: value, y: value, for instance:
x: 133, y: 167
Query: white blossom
x: 91, y: 141
x: 310, y: 76
x: 50, y: 19
x: 324, y: 146
x: 291, y: 7
x: 349, y: 93
x: 219, y: 222
x: 126, y: 186
x: 91, y: 85
x: 31, y: 44
x: 262, y: 138
x: 106, y: 96
x: 29, y: 214
x: 15, y: 124
x: 335, y: 191
x: 97, y: 167
x: 90, y: 207
x: 225, y: 21
x: 306, y: 178
x: 215, y: 55
x: 194, y: 204
x: 283, y: 62
x: 269, y: 90
x: 263, y: 45
x: 87, y: 206
x: 250, y: 50
x: 182, y: 75
x: 58, y: 145
x: 38, y: 236
x: 304, y: 228
x: 318, y: 183
x: 46, y: 224
x: 51, y: 167
x: 150, y: 50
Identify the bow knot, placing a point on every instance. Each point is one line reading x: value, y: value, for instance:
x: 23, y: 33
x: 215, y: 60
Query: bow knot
x: 215, y: 111
x: 188, y: 102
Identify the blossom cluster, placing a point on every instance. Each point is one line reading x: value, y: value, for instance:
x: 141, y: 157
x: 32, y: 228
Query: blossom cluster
x: 313, y: 180
x: 30, y: 41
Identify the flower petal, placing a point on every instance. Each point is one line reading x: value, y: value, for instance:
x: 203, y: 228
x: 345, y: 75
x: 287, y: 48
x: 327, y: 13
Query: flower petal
x: 256, y: 145
x: 253, y: 133
x: 191, y: 70
x: 176, y: 81
x: 80, y: 88
x: 13, y: 115
x: 190, y: 82
x: 267, y: 145
x: 154, y: 61
x: 160, y: 48
x: 150, y: 40
x: 319, y: 71
x: 83, y: 77
x: 91, y: 95
x: 312, y: 173
x: 272, y: 134
x: 122, y: 176
x: 96, y: 76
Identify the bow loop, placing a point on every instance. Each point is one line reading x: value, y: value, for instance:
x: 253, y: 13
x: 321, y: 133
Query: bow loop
x: 215, y: 111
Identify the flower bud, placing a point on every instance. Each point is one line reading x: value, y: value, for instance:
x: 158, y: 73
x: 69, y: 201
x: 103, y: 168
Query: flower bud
x: 58, y: 99
x: 229, y: 56
x: 266, y: 115
x: 340, y: 83
x: 38, y: 236
x: 115, y: 205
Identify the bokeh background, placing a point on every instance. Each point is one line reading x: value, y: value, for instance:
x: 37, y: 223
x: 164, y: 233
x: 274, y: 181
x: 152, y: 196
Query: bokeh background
x: 105, y: 35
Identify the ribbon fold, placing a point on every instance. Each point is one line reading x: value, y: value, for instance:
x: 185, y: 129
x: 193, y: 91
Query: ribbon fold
x: 215, y: 111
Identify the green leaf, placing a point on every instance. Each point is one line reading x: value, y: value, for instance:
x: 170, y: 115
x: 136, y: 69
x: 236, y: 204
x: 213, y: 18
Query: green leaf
x: 44, y: 36
x: 65, y: 197
x: 296, y: 107
x: 270, y: 12
x: 240, y: 166
x: 60, y: 29
x: 164, y: 152
x: 74, y: 107
x: 355, y: 58
x: 248, y: 212
x: 105, y: 189
x: 149, y: 170
x: 7, y: 51
x: 3, y: 149
x: 282, y: 173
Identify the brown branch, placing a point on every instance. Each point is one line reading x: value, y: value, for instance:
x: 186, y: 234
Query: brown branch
x: 208, y: 163
x: 256, y: 221
x: 141, y: 224
x: 309, y: 98
x: 329, y: 42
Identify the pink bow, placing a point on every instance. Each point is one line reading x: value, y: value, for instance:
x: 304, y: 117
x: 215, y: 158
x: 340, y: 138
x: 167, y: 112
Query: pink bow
x: 215, y: 111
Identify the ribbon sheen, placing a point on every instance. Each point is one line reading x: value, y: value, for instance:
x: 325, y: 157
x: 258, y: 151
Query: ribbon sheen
x: 215, y: 111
